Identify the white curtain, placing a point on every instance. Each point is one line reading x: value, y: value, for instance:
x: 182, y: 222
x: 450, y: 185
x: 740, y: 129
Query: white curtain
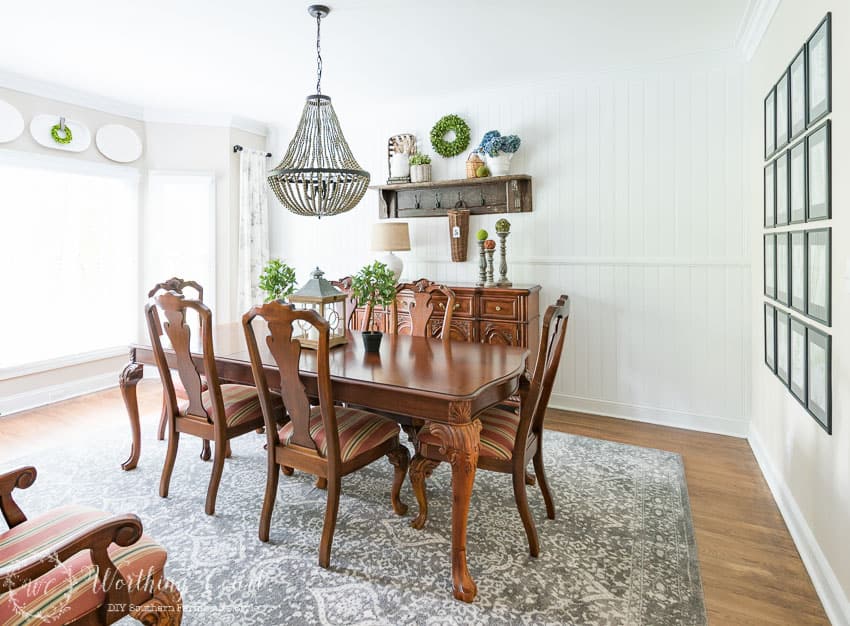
x: 253, y: 227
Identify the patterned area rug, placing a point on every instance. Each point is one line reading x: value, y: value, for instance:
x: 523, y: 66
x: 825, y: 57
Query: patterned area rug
x: 621, y: 550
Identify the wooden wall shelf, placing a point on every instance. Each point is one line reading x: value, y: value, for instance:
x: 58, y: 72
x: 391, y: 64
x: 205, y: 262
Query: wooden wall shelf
x: 482, y: 196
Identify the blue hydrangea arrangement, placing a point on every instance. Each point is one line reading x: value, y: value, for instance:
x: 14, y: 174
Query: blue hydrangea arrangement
x: 493, y: 143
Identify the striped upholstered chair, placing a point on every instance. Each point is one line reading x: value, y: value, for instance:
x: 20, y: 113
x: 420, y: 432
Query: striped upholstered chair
x: 78, y: 565
x: 509, y: 440
x: 327, y: 440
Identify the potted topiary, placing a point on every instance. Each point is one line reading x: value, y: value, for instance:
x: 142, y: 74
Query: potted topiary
x: 420, y: 168
x: 277, y: 280
x: 373, y: 285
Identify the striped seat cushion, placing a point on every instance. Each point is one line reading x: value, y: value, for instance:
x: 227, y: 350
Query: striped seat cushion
x: 498, y: 434
x: 68, y: 591
x: 180, y: 390
x: 359, y: 431
x: 241, y: 404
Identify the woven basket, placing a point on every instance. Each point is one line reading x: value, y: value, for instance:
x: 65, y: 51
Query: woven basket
x: 458, y: 232
x: 473, y: 162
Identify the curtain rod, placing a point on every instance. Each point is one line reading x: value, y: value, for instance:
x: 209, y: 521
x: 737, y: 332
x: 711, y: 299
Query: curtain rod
x: 238, y: 148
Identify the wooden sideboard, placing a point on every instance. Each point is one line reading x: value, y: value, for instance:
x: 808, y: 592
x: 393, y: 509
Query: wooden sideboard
x: 505, y: 315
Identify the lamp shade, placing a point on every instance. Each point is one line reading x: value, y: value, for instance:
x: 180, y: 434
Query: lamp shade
x: 390, y: 236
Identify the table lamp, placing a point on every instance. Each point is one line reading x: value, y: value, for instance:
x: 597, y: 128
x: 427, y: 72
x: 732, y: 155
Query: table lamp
x: 391, y: 237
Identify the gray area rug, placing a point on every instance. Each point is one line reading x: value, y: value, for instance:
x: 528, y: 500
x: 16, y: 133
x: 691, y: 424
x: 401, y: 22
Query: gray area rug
x: 621, y: 550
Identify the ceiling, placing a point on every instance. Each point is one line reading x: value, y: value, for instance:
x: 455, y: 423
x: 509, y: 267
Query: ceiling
x: 254, y: 58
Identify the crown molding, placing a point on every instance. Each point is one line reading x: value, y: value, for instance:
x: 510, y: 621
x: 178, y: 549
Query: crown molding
x: 62, y: 93
x: 754, y: 26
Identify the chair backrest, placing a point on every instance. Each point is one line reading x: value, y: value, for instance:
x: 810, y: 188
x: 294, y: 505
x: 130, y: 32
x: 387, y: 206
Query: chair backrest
x: 423, y: 307
x: 174, y: 307
x: 286, y: 351
x: 344, y: 285
x: 177, y: 285
x: 533, y: 406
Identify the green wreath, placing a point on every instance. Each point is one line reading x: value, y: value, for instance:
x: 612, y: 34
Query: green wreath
x: 54, y: 132
x: 444, y: 125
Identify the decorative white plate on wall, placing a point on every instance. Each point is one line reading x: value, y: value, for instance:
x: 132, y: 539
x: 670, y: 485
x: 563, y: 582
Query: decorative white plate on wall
x: 119, y: 143
x: 40, y: 131
x: 11, y: 122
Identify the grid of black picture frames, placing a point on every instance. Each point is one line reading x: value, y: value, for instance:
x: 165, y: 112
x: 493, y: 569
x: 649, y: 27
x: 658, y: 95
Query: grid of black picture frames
x: 800, y: 356
x: 797, y: 252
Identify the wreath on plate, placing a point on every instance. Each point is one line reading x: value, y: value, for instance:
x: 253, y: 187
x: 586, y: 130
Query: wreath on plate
x: 65, y: 138
x: 443, y: 126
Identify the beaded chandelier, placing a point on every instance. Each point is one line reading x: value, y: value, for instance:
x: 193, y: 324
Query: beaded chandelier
x: 318, y: 175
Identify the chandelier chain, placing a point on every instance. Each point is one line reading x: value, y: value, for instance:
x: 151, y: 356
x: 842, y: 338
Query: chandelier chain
x: 319, y: 54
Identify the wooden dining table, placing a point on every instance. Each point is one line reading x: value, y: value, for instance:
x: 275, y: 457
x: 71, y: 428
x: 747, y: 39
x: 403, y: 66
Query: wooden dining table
x: 444, y: 383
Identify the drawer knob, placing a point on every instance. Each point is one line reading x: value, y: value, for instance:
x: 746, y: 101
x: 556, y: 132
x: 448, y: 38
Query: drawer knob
x: 498, y: 308
x: 442, y: 305
x: 456, y: 307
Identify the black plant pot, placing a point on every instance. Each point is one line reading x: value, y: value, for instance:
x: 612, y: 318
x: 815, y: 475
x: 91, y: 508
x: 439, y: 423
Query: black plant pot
x: 372, y: 341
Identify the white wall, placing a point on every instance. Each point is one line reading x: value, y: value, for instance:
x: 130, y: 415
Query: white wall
x: 808, y: 470
x: 637, y: 216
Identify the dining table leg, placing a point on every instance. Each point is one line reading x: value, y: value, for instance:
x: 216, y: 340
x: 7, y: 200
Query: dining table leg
x: 129, y: 378
x: 460, y: 445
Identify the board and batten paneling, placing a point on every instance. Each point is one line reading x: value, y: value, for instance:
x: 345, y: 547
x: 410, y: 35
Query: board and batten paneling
x: 638, y: 216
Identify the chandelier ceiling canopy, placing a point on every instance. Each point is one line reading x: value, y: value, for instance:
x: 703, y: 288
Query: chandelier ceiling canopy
x: 318, y: 175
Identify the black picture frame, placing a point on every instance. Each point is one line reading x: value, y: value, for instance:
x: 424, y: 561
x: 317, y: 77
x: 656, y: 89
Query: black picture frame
x: 769, y: 124
x: 798, y: 195
x: 797, y: 360
x: 819, y: 287
x: 819, y: 79
x: 819, y: 377
x: 770, y: 337
x: 798, y: 274
x: 783, y: 346
x: 783, y: 188
x: 770, y: 266
x: 770, y: 195
x: 819, y: 173
x: 783, y: 110
x: 798, y: 94
x: 783, y: 259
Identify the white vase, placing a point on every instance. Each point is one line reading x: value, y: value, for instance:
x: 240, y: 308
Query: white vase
x: 500, y: 164
x: 420, y: 173
x: 399, y: 165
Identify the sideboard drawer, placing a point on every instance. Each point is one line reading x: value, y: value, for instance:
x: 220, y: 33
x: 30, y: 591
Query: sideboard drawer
x: 503, y: 333
x: 463, y: 306
x: 500, y: 307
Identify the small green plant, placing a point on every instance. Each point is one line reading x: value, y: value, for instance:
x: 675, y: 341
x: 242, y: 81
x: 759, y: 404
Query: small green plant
x: 373, y: 285
x: 420, y: 159
x: 277, y: 280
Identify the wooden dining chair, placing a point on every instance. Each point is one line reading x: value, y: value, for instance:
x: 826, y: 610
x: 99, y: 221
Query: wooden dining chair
x: 423, y: 308
x: 328, y: 441
x: 218, y: 413
x: 78, y: 565
x: 178, y: 285
x: 508, y: 440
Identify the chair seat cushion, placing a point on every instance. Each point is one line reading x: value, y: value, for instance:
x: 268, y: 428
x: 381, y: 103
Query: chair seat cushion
x: 498, y: 434
x: 180, y: 390
x: 359, y: 431
x: 68, y: 591
x: 241, y: 404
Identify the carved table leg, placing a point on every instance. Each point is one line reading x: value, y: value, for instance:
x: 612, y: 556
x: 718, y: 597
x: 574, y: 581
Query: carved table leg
x: 460, y: 445
x: 164, y: 609
x: 130, y: 377
x: 420, y: 469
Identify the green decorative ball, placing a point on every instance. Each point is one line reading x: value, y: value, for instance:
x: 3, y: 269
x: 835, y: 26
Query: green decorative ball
x: 503, y: 226
x: 482, y: 172
x: 63, y: 139
x: 444, y: 125
x: 481, y: 235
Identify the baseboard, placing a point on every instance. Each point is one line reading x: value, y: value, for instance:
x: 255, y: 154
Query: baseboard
x: 54, y: 393
x: 663, y: 417
x: 832, y: 596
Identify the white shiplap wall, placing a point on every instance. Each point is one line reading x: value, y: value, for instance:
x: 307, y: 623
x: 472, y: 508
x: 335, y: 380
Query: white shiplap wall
x: 638, y: 216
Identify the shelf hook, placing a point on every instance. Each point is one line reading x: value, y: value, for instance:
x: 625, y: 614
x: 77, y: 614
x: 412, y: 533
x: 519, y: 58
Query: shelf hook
x: 62, y: 124
x: 437, y: 200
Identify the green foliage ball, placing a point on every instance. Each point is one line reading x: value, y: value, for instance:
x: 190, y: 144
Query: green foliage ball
x: 481, y: 235
x: 482, y: 172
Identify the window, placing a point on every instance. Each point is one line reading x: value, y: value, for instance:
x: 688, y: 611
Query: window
x: 180, y: 229
x: 68, y: 260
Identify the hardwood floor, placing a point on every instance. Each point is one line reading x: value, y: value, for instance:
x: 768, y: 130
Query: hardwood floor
x: 751, y: 571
